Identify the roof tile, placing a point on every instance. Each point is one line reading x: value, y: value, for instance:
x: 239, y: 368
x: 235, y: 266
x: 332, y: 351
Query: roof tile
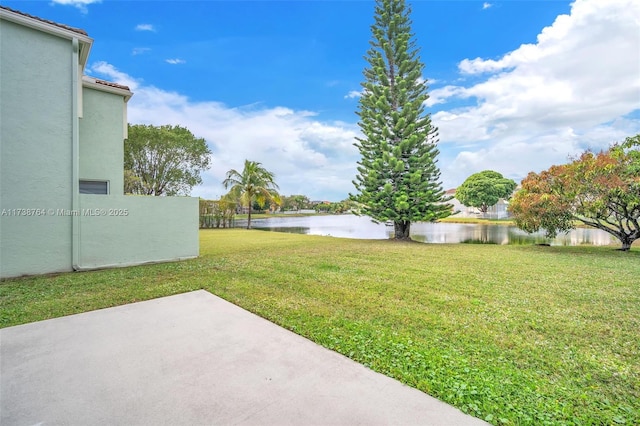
x: 66, y: 27
x: 110, y: 84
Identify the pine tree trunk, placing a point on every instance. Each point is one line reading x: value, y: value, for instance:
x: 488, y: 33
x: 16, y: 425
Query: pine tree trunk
x: 402, y: 230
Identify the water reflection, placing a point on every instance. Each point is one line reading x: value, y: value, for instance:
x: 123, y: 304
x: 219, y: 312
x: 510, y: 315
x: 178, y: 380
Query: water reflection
x: 349, y: 226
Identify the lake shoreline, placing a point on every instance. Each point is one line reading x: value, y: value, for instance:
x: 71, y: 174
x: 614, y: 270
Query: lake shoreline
x: 450, y: 219
x: 452, y: 231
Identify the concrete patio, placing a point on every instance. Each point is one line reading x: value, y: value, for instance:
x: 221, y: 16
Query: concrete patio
x: 193, y: 359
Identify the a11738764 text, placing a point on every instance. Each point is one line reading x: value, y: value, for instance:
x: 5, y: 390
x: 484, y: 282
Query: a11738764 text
x: 35, y: 212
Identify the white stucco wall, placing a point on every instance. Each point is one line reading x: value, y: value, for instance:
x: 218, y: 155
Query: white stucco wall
x: 35, y: 150
x: 128, y: 230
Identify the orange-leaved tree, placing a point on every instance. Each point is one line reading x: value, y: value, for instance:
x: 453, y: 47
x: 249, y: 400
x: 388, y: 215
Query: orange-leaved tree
x: 600, y: 190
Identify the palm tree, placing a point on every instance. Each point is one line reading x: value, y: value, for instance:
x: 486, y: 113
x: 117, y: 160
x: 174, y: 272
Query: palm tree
x: 254, y: 183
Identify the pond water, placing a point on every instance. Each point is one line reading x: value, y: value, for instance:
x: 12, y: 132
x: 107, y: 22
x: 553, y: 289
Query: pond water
x: 350, y: 226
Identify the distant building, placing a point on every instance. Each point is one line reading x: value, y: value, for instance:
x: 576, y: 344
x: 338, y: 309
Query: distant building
x: 62, y: 205
x: 498, y: 211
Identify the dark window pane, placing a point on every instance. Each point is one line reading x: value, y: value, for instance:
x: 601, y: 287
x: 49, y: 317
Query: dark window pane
x: 94, y: 187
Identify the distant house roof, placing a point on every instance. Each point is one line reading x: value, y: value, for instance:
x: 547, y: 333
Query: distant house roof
x: 46, y: 21
x: 451, y: 191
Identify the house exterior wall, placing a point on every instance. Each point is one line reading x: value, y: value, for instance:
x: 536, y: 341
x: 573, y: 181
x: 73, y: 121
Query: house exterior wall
x: 101, y: 142
x: 46, y: 148
x: 35, y: 150
x: 117, y: 229
x: 121, y: 230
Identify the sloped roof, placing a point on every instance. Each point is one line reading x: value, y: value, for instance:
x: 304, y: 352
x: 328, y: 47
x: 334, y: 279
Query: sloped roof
x: 110, y: 84
x: 46, y: 21
x: 50, y: 27
x: 107, y: 86
x: 62, y: 29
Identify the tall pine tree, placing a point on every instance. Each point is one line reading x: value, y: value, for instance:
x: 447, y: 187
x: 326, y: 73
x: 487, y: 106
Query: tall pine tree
x: 398, y: 179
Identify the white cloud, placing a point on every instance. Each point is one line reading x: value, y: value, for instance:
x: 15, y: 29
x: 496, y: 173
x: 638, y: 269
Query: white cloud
x: 516, y: 156
x: 440, y: 95
x: 111, y: 73
x: 79, y: 4
x: 486, y: 5
x: 175, y: 61
x: 541, y: 103
x: 140, y: 50
x: 145, y: 27
x: 354, y: 94
x: 308, y: 156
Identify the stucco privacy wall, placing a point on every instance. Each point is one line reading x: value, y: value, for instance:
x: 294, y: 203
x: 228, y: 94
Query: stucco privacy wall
x: 101, y: 138
x: 120, y: 230
x: 35, y: 150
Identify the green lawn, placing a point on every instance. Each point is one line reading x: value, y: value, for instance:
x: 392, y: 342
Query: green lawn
x: 511, y: 334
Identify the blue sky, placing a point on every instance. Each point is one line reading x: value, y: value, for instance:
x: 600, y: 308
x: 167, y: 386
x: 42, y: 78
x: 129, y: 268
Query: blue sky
x: 516, y: 86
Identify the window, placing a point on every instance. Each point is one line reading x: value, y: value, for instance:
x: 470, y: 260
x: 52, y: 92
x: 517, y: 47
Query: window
x: 99, y: 187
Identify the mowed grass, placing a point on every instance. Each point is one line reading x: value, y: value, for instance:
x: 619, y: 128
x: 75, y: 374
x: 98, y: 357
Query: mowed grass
x: 511, y: 334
